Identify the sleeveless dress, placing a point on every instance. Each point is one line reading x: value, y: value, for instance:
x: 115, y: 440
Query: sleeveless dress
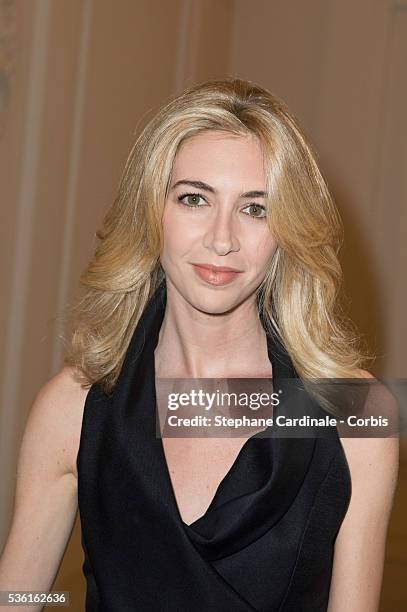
x: 265, y: 543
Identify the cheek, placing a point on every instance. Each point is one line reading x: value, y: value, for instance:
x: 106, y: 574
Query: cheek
x: 177, y: 235
x: 262, y: 248
x: 180, y: 232
x: 170, y: 224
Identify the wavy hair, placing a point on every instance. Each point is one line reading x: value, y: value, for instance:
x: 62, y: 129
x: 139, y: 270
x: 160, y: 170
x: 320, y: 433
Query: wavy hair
x: 299, y: 295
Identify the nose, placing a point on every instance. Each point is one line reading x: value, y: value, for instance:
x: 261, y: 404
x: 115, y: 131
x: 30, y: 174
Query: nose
x: 221, y: 233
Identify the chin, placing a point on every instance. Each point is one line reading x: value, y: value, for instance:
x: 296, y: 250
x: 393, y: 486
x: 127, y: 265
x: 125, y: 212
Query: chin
x: 214, y: 302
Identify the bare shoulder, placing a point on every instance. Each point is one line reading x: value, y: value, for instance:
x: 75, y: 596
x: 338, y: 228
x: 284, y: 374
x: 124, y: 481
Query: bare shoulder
x: 373, y: 464
x: 368, y: 458
x: 57, y: 413
x: 45, y: 501
x: 360, y: 543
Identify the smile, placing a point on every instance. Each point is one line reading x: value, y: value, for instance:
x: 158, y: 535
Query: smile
x: 214, y: 275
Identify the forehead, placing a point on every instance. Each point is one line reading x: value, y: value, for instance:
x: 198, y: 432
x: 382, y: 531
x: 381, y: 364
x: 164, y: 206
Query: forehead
x: 212, y: 155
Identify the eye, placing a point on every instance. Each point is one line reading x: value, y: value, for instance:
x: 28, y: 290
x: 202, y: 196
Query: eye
x: 260, y: 211
x: 193, y: 200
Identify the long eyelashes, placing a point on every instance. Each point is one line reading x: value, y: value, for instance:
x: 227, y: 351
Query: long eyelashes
x: 198, y: 195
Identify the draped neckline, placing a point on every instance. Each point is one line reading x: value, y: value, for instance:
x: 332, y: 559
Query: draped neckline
x: 266, y: 474
x: 228, y: 474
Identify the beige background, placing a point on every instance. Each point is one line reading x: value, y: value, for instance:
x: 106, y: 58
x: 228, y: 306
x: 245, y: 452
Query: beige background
x: 87, y: 73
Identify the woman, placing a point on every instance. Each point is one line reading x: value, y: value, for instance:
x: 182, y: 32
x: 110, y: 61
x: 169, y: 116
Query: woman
x: 222, y: 215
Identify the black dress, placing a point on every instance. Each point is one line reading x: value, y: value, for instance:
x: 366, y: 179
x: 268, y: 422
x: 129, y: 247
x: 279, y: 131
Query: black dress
x: 265, y: 543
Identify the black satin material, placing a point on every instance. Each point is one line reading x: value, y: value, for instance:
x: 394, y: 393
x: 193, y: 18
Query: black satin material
x: 265, y: 543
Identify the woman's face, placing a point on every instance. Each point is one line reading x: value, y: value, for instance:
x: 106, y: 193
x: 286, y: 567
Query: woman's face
x: 215, y: 215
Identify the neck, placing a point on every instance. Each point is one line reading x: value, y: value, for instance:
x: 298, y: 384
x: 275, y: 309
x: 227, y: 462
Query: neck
x: 195, y: 344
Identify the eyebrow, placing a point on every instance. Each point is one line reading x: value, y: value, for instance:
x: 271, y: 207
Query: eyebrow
x: 206, y: 187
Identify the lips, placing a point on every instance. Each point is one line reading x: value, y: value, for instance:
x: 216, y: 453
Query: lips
x: 217, y: 268
x: 216, y: 275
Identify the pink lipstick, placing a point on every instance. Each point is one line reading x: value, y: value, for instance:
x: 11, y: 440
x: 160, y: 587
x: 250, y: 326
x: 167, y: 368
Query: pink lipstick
x: 216, y: 275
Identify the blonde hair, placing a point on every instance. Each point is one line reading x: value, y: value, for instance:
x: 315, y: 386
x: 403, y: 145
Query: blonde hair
x: 299, y: 294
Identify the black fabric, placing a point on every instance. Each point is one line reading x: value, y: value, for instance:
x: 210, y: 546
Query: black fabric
x: 265, y: 543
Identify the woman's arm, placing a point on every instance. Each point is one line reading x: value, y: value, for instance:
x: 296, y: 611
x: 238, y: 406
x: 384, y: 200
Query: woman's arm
x: 45, y: 502
x: 361, y: 541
